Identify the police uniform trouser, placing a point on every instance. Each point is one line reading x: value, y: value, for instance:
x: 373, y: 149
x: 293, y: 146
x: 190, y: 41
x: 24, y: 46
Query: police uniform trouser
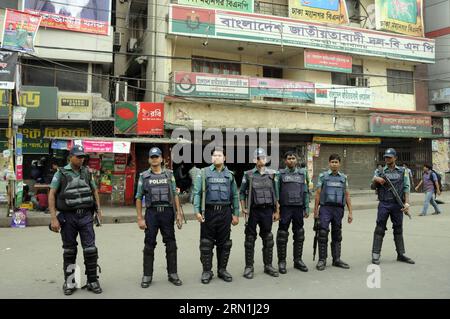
x: 386, y: 210
x: 262, y: 217
x: 72, y: 224
x: 160, y: 219
x: 288, y: 214
x: 333, y: 215
x: 216, y: 230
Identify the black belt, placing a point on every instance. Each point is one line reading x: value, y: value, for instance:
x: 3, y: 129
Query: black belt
x: 159, y: 209
x: 263, y: 206
x: 79, y: 211
x: 217, y: 207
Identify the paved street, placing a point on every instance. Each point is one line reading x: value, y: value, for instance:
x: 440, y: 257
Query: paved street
x: 31, y: 264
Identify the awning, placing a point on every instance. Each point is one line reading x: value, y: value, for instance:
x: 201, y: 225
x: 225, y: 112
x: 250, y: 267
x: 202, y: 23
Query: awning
x: 144, y: 140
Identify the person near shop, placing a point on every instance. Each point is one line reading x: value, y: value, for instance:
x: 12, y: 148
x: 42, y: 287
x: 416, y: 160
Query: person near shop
x: 331, y: 196
x: 162, y: 208
x: 40, y: 200
x: 389, y: 207
x: 431, y: 186
x: 259, y: 199
x: 216, y: 207
x: 73, y: 193
x: 294, y: 206
x: 410, y: 175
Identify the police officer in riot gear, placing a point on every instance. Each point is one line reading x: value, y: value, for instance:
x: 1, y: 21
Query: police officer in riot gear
x: 161, y: 201
x: 75, y: 194
x: 389, y: 207
x: 259, y: 194
x: 332, y: 194
x: 294, y: 205
x: 216, y: 204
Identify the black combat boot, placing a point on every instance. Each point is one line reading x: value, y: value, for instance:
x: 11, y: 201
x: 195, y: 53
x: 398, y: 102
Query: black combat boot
x: 249, y: 256
x: 282, y: 239
x: 323, y: 245
x: 171, y: 257
x: 268, y: 255
x: 206, y: 256
x: 400, y: 247
x: 336, y: 254
x: 149, y: 257
x: 223, y: 254
x: 90, y: 261
x: 378, y: 236
x: 299, y: 238
x: 69, y: 260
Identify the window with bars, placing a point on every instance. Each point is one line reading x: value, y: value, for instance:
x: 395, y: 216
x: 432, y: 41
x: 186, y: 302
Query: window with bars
x: 208, y: 65
x: 356, y: 78
x: 41, y: 73
x: 401, y: 82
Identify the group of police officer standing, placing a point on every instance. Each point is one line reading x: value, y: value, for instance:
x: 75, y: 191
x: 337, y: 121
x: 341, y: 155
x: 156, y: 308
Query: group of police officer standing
x: 265, y: 196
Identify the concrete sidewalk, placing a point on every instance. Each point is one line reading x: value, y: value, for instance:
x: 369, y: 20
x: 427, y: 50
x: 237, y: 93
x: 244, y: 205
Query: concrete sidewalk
x: 361, y: 200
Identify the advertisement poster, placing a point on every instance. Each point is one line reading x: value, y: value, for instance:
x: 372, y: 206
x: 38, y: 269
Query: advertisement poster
x: 20, y: 30
x: 120, y: 162
x: 328, y: 11
x: 125, y: 118
x: 150, y: 119
x: 400, y: 16
x: 89, y: 16
x: 8, y: 62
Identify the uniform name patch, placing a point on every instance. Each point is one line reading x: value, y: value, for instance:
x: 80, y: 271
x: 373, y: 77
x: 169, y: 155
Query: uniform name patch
x: 158, y: 181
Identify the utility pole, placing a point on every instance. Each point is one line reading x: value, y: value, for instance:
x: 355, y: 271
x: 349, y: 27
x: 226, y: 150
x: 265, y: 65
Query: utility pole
x: 11, y: 184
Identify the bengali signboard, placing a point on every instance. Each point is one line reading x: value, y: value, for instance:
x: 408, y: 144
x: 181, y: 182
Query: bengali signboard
x: 232, y: 5
x: 350, y: 96
x: 218, y: 24
x: 211, y: 85
x: 277, y: 88
x: 150, y: 119
x: 74, y: 106
x: 35, y: 139
x: 40, y: 102
x: 328, y: 11
x: 400, y: 125
x: 400, y: 16
x: 75, y: 15
x: 346, y: 140
x: 19, y: 30
x: 325, y: 61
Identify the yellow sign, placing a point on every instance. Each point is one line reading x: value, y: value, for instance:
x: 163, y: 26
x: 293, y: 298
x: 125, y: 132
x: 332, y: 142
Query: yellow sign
x: 327, y: 11
x: 72, y: 106
x: 346, y: 140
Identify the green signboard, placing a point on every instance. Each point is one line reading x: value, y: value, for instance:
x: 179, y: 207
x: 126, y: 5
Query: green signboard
x: 400, y: 125
x: 40, y: 101
x: 126, y: 118
x: 231, y: 5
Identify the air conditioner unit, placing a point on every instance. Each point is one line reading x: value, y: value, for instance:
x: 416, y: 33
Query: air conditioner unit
x: 117, y: 39
x: 132, y: 44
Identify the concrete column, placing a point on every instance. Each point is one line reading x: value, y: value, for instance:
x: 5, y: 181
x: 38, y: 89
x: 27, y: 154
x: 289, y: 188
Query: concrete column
x: 155, y: 43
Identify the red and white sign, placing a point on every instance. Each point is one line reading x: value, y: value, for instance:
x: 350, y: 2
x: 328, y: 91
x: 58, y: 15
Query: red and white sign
x: 320, y: 60
x: 98, y: 146
x: 150, y: 119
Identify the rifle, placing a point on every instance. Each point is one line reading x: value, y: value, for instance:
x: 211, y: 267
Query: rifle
x: 172, y: 198
x: 394, y: 192
x: 316, y: 228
